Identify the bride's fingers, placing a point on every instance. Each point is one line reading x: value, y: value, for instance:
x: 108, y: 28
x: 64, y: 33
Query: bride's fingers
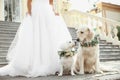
x: 28, y: 13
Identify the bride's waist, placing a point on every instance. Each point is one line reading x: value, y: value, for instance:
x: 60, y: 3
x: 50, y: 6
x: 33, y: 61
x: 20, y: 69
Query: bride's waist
x: 40, y: 5
x: 40, y: 2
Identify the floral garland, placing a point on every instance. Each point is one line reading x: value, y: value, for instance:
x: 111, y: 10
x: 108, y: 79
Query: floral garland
x: 66, y: 53
x: 94, y: 42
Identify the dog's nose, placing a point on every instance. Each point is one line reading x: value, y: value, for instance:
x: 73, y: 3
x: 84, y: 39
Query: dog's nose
x: 81, y: 32
x: 78, y: 39
x: 75, y: 43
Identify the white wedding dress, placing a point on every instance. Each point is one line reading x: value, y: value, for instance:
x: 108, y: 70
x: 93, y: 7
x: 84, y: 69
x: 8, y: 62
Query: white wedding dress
x: 36, y: 43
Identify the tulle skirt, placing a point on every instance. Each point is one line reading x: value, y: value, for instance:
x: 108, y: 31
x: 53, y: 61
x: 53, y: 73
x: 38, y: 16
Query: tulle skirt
x: 36, y: 44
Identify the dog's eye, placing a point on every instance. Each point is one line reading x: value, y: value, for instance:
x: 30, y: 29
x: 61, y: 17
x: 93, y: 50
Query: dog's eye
x: 82, y: 32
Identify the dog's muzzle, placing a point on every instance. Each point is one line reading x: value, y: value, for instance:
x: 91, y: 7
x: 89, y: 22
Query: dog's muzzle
x: 78, y: 40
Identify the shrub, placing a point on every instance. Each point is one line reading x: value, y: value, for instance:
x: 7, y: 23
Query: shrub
x: 118, y: 32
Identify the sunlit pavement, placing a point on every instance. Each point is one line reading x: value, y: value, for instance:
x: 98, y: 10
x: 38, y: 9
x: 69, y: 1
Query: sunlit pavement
x: 108, y: 76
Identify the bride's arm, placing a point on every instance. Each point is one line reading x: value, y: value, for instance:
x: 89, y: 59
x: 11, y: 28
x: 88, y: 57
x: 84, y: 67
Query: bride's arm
x: 54, y: 5
x: 51, y: 2
x: 29, y: 6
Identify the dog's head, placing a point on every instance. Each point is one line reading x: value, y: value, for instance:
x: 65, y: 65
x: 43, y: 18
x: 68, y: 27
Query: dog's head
x: 67, y: 46
x: 85, y: 34
x: 67, y: 49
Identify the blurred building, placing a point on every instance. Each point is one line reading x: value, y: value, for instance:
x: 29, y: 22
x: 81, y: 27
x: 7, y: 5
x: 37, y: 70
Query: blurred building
x: 107, y: 10
x: 15, y: 10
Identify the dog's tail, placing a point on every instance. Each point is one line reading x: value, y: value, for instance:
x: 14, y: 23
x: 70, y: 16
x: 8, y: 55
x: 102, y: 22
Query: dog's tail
x: 108, y: 69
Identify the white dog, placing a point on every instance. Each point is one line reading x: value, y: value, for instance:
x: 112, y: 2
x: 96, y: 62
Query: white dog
x: 67, y: 58
x: 88, y: 52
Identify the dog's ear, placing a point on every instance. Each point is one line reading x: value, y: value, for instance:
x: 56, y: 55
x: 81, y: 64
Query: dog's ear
x: 90, y: 35
x: 88, y: 29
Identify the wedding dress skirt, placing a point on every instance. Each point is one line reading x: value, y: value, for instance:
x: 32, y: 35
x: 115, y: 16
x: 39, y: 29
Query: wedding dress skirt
x: 36, y: 44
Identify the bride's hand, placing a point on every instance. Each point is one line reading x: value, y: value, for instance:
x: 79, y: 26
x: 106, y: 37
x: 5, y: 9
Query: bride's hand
x: 57, y: 14
x: 28, y: 13
x: 29, y: 6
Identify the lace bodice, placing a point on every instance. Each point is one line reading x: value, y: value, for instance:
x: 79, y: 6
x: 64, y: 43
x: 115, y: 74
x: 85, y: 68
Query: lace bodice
x: 42, y: 1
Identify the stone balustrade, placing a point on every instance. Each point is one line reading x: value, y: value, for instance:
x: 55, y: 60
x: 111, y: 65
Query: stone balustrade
x: 106, y: 28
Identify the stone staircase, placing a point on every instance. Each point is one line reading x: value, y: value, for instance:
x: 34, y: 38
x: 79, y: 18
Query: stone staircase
x: 7, y: 34
x: 108, y: 51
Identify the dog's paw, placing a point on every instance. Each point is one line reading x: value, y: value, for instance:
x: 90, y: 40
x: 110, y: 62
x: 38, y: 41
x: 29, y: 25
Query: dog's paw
x: 73, y: 74
x: 99, y: 72
x: 59, y: 74
x: 91, y: 71
x: 81, y: 72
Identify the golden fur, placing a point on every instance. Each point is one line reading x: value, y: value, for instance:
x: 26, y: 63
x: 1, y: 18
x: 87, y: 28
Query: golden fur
x: 87, y: 57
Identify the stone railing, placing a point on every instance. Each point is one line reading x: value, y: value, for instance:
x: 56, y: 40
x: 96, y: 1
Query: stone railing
x: 106, y: 28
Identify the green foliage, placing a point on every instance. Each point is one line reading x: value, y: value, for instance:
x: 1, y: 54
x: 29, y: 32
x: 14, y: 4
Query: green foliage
x: 94, y: 42
x: 118, y: 32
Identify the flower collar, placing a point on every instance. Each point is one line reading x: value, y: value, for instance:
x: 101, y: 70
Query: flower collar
x: 94, y: 42
x: 66, y: 53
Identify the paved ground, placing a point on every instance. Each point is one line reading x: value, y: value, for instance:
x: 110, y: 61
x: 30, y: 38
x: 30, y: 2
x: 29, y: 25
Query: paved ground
x: 108, y: 76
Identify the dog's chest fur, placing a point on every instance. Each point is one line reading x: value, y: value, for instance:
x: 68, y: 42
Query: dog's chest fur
x: 90, y: 54
x: 89, y: 51
x: 67, y: 62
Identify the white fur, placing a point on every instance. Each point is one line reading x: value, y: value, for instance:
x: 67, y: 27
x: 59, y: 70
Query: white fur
x: 67, y: 63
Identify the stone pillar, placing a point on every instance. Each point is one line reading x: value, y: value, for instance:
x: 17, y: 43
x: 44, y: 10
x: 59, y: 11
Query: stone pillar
x: 1, y: 10
x: 116, y: 40
x: 23, y: 8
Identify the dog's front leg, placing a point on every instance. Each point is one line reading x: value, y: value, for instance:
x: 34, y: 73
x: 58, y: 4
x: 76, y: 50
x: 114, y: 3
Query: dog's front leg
x: 81, y: 64
x: 61, y: 70
x: 97, y: 66
x: 72, y: 70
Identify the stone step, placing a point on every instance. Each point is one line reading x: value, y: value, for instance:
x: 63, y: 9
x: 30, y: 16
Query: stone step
x: 9, y: 23
x: 13, y: 27
x: 110, y: 59
x: 7, y: 32
x: 108, y: 46
x: 110, y: 55
x: 3, y: 53
x: 7, y: 40
x: 106, y: 53
x: 3, y: 37
x: 109, y: 52
x: 4, y: 47
x: 7, y: 35
x: 117, y: 49
x: 3, y: 63
x: 2, y: 31
x: 6, y: 44
x: 109, y: 49
x: 101, y: 42
x: 3, y: 59
x: 72, y: 32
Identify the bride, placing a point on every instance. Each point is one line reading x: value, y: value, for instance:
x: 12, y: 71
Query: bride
x: 36, y: 43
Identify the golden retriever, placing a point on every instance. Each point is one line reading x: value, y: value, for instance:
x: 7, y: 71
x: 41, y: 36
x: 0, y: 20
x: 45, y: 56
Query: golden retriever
x: 88, y: 52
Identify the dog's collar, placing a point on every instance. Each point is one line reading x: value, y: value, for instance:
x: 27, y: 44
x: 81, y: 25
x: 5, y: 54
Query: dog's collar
x: 63, y: 53
x: 94, y: 42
